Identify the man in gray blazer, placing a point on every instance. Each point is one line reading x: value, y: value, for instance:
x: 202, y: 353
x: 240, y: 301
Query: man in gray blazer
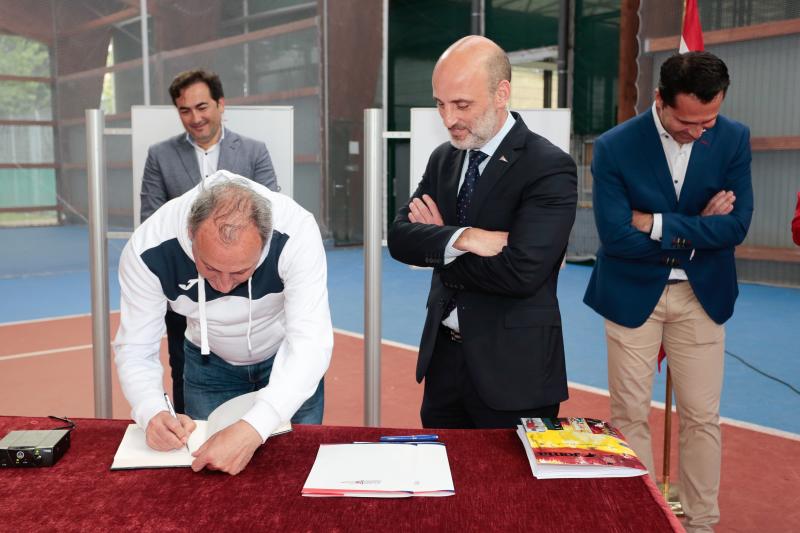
x: 177, y: 164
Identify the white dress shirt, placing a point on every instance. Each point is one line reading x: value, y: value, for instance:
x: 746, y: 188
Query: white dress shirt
x: 450, y: 253
x: 678, y: 160
x: 207, y: 159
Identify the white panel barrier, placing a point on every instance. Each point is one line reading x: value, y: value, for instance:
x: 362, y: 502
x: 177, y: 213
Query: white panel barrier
x: 428, y: 132
x: 274, y: 125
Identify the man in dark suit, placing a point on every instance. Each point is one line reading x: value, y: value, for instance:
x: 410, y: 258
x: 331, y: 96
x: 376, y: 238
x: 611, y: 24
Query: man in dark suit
x: 492, y: 215
x: 672, y: 198
x: 177, y: 164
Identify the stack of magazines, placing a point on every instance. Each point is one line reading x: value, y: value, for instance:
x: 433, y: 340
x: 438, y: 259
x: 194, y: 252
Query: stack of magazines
x: 577, y: 448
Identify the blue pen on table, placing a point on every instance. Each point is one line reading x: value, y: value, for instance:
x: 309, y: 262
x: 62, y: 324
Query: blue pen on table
x: 409, y: 438
x: 172, y: 412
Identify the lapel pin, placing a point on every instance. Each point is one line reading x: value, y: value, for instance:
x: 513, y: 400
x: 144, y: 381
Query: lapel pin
x: 503, y: 159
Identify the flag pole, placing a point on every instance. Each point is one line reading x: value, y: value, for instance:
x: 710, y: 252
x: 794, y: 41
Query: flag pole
x: 667, y: 436
x: 691, y: 39
x: 674, y: 503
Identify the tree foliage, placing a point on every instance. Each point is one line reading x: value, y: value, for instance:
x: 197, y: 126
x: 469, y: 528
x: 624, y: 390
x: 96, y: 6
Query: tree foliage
x: 24, y: 99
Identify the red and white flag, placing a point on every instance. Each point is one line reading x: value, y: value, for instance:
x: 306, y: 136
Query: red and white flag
x: 691, y: 41
x: 691, y: 32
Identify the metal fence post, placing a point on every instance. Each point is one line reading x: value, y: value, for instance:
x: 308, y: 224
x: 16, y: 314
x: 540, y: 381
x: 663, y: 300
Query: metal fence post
x: 98, y: 250
x: 373, y: 211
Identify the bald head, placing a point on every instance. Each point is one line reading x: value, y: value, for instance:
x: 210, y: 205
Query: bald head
x: 471, y: 88
x: 474, y: 51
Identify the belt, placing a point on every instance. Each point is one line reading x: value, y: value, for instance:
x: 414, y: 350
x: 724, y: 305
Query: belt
x: 676, y: 281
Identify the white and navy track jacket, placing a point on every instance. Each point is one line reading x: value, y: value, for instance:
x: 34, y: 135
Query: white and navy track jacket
x: 282, y: 310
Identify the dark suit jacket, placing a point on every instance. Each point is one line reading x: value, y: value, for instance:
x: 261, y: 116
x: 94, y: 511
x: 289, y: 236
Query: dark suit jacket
x: 507, y: 307
x: 171, y: 168
x: 630, y: 171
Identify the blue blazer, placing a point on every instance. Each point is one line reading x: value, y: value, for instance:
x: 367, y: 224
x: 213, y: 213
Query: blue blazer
x: 630, y: 171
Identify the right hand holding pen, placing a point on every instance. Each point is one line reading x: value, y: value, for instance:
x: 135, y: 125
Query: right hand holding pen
x: 165, y: 432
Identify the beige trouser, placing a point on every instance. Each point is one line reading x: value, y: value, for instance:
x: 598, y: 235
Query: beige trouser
x: 695, y: 347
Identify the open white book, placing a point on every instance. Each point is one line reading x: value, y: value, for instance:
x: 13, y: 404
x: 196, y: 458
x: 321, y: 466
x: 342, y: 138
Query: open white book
x: 380, y: 470
x: 133, y: 451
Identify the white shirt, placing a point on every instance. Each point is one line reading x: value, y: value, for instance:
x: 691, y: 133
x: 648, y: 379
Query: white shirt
x: 678, y: 160
x: 450, y: 253
x: 207, y: 159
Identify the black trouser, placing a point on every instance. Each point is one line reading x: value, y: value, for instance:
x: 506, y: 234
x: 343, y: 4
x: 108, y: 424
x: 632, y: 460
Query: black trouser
x: 450, y: 399
x: 176, y: 331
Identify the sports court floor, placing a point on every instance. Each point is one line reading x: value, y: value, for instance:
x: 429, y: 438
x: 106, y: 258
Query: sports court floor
x: 46, y: 361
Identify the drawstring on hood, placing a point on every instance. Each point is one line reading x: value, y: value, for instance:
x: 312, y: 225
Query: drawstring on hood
x: 201, y: 297
x: 185, y: 241
x: 249, y: 314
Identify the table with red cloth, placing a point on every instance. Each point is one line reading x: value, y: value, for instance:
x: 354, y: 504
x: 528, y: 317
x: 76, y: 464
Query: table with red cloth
x: 495, y: 491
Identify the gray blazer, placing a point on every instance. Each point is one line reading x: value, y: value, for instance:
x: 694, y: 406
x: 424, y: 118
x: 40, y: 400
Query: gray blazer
x: 171, y: 168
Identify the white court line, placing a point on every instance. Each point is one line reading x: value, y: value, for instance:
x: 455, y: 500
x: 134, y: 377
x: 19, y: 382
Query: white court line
x: 603, y: 392
x: 722, y: 419
x: 35, y: 320
x: 578, y: 386
x: 40, y: 353
x: 394, y: 344
x: 27, y: 355
x: 52, y: 319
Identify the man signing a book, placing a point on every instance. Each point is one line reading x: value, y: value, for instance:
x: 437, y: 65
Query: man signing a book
x: 247, y: 269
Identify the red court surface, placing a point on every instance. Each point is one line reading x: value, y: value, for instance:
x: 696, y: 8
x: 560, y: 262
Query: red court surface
x: 46, y: 369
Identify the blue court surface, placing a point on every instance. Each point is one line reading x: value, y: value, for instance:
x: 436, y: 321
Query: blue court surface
x: 44, y: 273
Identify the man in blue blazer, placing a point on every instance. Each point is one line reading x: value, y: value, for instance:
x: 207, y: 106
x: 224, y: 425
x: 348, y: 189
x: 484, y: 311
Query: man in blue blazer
x: 176, y: 165
x: 672, y: 198
x: 492, y: 215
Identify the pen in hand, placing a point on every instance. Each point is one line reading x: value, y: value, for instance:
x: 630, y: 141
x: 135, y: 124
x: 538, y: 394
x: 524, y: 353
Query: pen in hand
x: 174, y: 415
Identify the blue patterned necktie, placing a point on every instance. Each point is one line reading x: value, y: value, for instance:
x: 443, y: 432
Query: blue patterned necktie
x: 468, y: 187
x: 463, y: 201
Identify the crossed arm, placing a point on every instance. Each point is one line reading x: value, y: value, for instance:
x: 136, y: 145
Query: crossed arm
x: 512, y: 263
x: 720, y: 204
x: 625, y: 231
x: 473, y: 240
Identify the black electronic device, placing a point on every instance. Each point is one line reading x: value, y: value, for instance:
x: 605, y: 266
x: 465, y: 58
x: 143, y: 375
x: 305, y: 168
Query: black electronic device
x: 35, y: 447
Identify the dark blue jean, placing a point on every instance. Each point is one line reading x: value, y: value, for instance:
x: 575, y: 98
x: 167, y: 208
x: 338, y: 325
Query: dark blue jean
x: 209, y: 381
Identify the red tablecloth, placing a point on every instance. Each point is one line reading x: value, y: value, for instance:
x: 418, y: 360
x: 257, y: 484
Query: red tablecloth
x: 495, y: 491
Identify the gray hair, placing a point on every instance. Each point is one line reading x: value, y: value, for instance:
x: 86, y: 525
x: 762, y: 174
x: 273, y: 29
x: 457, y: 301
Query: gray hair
x: 499, y: 68
x: 232, y: 205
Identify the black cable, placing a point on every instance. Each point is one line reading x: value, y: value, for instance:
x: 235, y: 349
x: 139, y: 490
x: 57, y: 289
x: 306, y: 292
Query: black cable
x: 791, y: 387
x: 70, y: 425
